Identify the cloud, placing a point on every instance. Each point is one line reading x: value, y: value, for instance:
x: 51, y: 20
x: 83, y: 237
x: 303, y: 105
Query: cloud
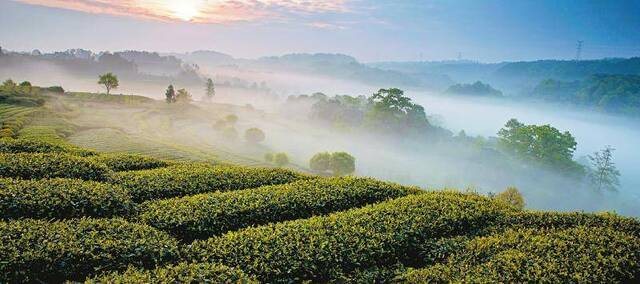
x: 326, y: 26
x: 199, y: 11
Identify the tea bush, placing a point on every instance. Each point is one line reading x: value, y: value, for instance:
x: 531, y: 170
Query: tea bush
x: 129, y: 162
x: 8, y: 145
x: 205, y: 215
x: 325, y: 248
x: 558, y: 220
x: 61, y: 198
x: 178, y: 273
x: 41, y: 251
x: 189, y: 179
x: 51, y: 165
x: 575, y: 255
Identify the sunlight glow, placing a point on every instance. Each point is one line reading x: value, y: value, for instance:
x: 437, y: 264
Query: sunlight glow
x: 184, y: 10
x: 198, y: 11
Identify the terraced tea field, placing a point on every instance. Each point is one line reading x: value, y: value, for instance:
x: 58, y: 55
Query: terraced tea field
x: 74, y: 214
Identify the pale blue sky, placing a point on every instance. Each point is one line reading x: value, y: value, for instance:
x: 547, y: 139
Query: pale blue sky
x: 489, y: 31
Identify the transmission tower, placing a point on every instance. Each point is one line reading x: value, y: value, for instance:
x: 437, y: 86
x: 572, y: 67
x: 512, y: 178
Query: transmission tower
x: 579, y: 50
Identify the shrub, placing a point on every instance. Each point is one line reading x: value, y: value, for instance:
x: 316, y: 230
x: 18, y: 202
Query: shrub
x: 576, y: 255
x: 37, y: 251
x: 178, y: 273
x: 320, y: 162
x: 511, y: 196
x: 51, y: 165
x: 129, y: 162
x: 254, y: 135
x: 231, y: 119
x: 189, y: 179
x: 339, y: 163
x: 61, y: 198
x: 39, y: 146
x: 556, y: 220
x: 342, y: 163
x: 55, y: 89
x: 324, y: 248
x: 205, y: 215
x: 281, y: 159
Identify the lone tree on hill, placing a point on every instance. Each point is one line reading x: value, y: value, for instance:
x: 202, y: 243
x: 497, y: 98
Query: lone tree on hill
x: 254, y: 135
x: 170, y: 95
x: 109, y: 81
x: 211, y: 89
x: 604, y: 174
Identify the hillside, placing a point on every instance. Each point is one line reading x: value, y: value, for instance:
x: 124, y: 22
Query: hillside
x: 176, y: 215
x: 611, y: 93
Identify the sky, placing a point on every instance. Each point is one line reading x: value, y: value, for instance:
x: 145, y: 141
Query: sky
x: 370, y: 30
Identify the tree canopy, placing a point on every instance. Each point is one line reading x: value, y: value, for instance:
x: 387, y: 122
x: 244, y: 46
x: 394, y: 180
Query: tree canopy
x: 109, y: 81
x: 540, y: 143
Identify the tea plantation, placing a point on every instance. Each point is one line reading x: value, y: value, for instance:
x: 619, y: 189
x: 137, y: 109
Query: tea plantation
x: 70, y: 214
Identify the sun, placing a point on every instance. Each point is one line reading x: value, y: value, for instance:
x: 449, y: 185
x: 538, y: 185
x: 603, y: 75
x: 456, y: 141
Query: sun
x: 185, y: 10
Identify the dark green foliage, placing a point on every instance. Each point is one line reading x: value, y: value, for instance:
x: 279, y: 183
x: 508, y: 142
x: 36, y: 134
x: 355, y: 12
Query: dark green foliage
x: 129, y: 162
x: 478, y: 89
x: 38, y: 146
x: 189, y: 179
x: 541, y: 144
x: 205, y: 215
x: 325, y: 248
x: 41, y: 251
x: 51, y: 165
x: 281, y: 159
x: 606, y: 92
x: 575, y: 255
x: 178, y: 273
x: 339, y: 163
x: 54, y: 89
x: 61, y: 198
x: 254, y: 135
x: 391, y: 111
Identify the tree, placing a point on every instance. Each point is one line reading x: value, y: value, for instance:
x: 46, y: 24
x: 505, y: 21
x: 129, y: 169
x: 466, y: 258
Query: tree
x: 231, y: 119
x: 543, y: 144
x: 109, y: 81
x: 170, y: 95
x: 342, y: 164
x: 339, y: 163
x: 604, y: 175
x: 254, y: 135
x: 8, y: 84
x: 183, y: 96
x: 320, y: 162
x: 511, y: 196
x: 281, y: 159
x: 220, y: 124
x: 392, y: 111
x: 211, y: 90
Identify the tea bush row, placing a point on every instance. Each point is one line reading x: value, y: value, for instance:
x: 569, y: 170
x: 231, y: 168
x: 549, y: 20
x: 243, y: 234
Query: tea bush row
x: 61, y: 198
x: 129, y: 162
x: 205, y: 215
x: 328, y: 247
x: 190, y: 179
x: 576, y: 255
x: 178, y: 273
x: 52, y: 165
x: 52, y: 252
x: 8, y: 145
